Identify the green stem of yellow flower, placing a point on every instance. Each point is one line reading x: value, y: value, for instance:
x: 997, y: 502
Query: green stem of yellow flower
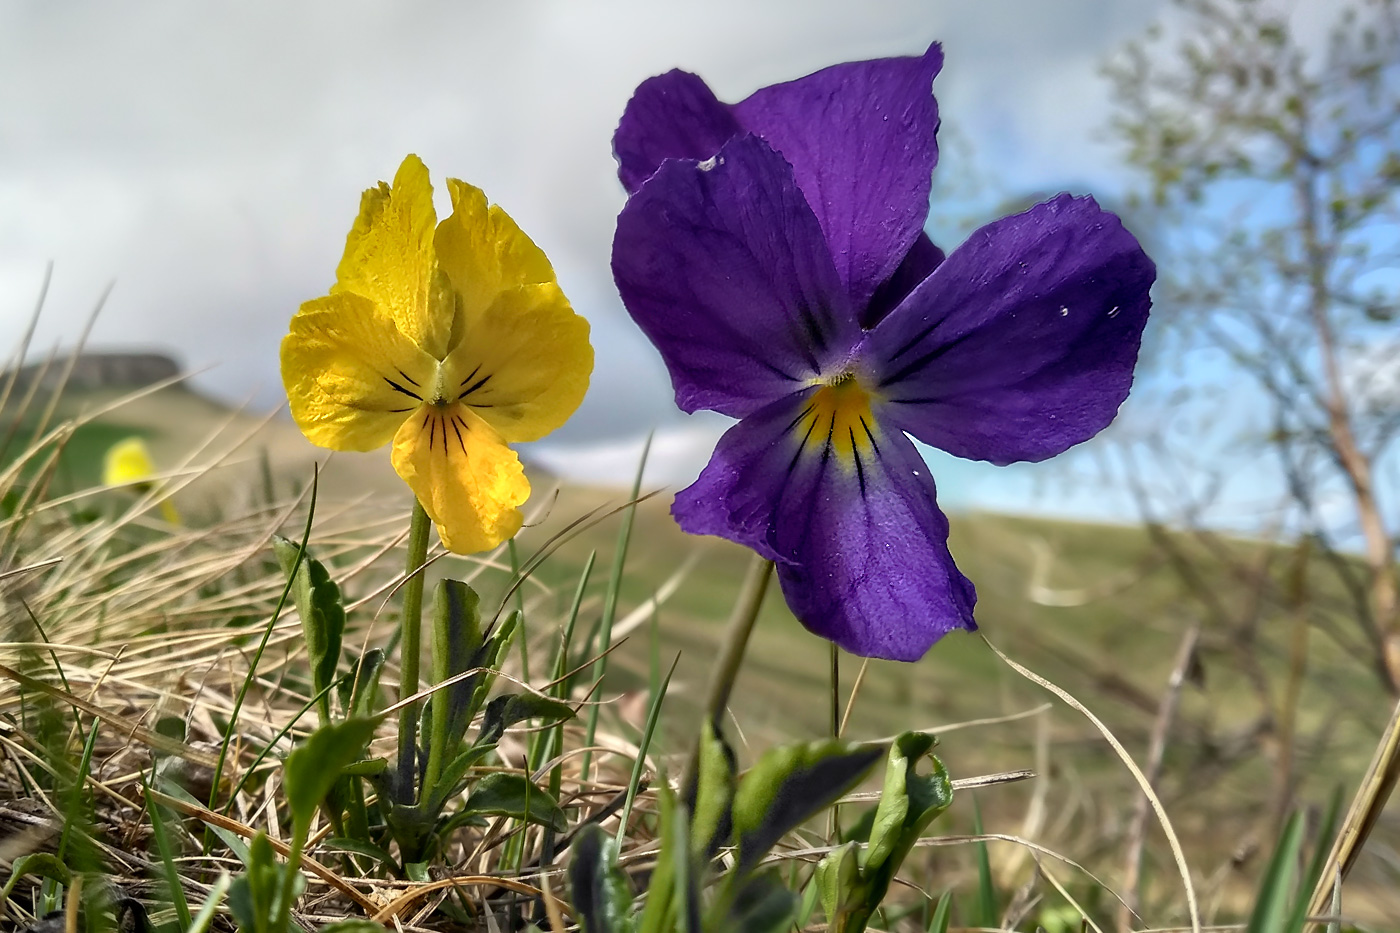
x: 411, y: 627
x: 731, y: 654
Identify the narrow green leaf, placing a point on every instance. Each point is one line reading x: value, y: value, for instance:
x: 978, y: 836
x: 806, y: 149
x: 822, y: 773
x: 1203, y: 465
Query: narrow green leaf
x: 318, y: 602
x: 316, y: 763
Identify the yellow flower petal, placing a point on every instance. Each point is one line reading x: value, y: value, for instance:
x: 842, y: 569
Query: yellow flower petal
x: 351, y: 376
x: 483, y: 252
x: 127, y: 461
x: 389, y: 259
x: 469, y: 482
x: 523, y: 363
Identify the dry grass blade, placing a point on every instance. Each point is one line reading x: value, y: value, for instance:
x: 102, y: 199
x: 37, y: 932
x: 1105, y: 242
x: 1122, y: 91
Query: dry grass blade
x: 1365, y: 810
x: 155, y: 740
x: 405, y: 900
x: 223, y: 822
x: 1177, y: 854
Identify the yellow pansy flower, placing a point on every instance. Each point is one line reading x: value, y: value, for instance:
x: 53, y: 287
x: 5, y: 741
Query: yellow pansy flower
x: 449, y: 340
x: 128, y: 463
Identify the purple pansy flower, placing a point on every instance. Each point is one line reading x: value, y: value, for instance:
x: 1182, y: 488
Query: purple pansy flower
x: 774, y: 252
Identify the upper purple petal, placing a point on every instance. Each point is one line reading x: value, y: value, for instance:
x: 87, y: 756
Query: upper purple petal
x: 723, y: 266
x: 862, y: 141
x: 861, y: 545
x: 671, y: 116
x: 1022, y: 342
x: 923, y: 257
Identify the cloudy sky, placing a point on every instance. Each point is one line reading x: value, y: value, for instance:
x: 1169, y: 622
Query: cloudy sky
x: 208, y: 158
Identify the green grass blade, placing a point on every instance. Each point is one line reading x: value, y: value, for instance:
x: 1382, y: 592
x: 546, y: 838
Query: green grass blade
x: 205, y: 917
x: 624, y: 537
x: 653, y: 715
x: 167, y: 860
x: 986, y: 890
x: 942, y: 913
x: 262, y: 645
x: 1271, y: 904
x: 520, y: 607
x: 1325, y: 831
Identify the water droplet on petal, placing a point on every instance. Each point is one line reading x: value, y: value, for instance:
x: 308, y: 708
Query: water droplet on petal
x: 1064, y: 311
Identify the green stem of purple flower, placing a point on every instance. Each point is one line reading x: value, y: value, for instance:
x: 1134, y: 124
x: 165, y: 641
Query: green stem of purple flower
x: 731, y: 655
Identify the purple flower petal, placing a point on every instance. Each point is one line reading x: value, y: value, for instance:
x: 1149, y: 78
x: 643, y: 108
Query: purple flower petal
x: 918, y: 264
x: 1022, y: 343
x: 671, y: 116
x: 860, y: 542
x: 861, y: 138
x: 723, y: 266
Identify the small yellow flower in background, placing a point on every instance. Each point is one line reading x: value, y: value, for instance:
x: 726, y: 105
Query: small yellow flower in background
x: 128, y: 463
x: 449, y: 340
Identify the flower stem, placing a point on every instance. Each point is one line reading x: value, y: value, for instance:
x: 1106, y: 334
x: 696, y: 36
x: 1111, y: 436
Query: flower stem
x: 411, y: 627
x: 833, y: 825
x: 731, y: 654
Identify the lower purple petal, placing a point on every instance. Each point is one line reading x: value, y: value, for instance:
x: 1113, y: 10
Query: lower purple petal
x: 860, y: 542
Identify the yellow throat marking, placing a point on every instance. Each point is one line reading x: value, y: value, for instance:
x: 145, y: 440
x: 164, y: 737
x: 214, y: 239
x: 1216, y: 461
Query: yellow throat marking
x: 838, y: 418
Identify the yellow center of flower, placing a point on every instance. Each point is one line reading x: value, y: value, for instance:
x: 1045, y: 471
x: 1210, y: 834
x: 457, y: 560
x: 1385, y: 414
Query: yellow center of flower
x: 838, y: 419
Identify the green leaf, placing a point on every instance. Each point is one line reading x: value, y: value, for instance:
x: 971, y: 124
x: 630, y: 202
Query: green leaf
x: 791, y: 784
x: 838, y: 880
x: 712, y: 819
x: 453, y: 777
x: 43, y: 864
x: 316, y: 763
x: 602, y: 897
x: 359, y: 847
x: 255, y: 897
x: 366, y: 767
x: 763, y: 905
x: 502, y: 794
x: 508, y: 709
x: 497, y: 644
x: 359, y: 690
x: 353, y: 925
x: 457, y: 647
x: 322, y: 614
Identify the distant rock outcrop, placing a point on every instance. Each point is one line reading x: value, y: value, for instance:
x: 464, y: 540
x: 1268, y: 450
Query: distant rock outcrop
x: 99, y: 370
